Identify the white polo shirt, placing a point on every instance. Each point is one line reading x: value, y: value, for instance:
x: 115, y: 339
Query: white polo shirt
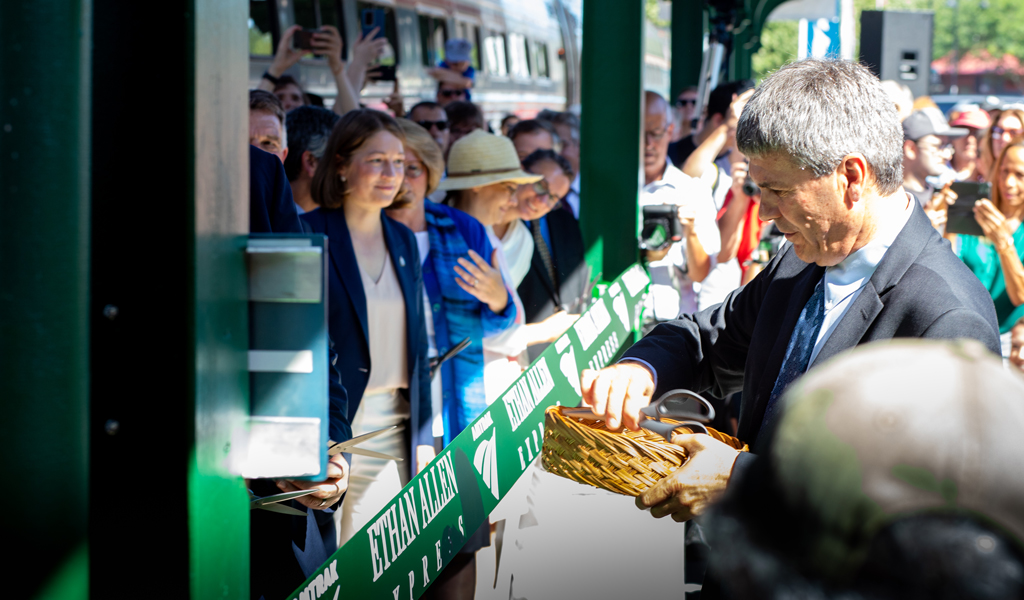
x: 672, y: 290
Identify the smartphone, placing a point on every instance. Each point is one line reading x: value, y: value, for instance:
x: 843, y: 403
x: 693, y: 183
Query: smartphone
x: 303, y: 39
x: 960, y: 215
x: 371, y: 18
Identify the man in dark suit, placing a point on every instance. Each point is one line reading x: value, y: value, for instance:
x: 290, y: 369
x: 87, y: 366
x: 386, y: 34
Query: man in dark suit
x: 863, y: 264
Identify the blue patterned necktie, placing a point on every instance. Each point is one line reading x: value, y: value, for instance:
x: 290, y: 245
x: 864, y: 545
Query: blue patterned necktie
x: 798, y: 353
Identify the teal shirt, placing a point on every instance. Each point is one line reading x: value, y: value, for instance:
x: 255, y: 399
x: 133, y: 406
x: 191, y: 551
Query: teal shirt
x: 980, y: 256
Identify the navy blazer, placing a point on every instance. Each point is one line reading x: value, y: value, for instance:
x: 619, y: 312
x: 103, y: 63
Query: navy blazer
x: 919, y: 290
x: 271, y: 206
x: 347, y: 314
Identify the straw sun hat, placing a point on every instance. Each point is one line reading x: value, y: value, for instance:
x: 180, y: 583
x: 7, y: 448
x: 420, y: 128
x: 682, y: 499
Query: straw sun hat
x: 481, y: 159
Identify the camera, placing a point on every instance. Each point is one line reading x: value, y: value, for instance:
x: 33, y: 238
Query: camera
x: 661, y: 227
x: 750, y: 188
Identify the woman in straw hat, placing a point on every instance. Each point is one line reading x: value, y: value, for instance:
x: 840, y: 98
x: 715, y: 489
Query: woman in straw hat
x: 375, y: 306
x: 483, y: 176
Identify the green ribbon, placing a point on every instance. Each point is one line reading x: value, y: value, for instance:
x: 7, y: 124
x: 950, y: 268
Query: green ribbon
x: 408, y: 543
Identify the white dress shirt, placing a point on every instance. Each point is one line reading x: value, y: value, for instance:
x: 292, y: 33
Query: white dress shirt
x: 672, y: 290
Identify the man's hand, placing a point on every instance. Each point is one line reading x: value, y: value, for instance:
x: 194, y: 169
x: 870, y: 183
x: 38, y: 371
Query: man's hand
x: 696, y: 485
x: 327, y: 43
x: 328, y: 492
x: 368, y: 49
x: 618, y: 392
x: 395, y: 102
x: 687, y: 215
x: 286, y: 57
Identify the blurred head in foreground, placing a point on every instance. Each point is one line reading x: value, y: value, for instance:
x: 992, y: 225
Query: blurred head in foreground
x: 893, y: 473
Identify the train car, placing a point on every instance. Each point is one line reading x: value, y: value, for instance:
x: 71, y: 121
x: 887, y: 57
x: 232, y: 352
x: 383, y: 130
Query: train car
x: 526, y: 52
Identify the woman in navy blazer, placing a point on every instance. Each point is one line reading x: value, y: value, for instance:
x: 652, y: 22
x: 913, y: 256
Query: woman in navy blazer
x: 361, y: 173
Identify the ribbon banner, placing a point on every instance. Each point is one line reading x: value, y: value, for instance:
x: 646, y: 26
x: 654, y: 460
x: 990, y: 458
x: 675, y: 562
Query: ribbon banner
x: 409, y: 542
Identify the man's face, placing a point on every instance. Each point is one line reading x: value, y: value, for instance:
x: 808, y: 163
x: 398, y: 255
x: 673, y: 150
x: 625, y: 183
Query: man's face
x: 812, y: 213
x: 435, y: 121
x: 687, y: 103
x: 931, y: 156
x: 265, y: 132
x: 657, y: 136
x: 570, y: 146
x: 966, y: 146
x: 534, y: 200
x: 527, y: 143
x: 1017, y: 347
x: 449, y: 93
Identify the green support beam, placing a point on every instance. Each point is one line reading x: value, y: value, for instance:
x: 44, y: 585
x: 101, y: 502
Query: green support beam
x: 611, y: 132
x: 689, y: 23
x: 44, y: 253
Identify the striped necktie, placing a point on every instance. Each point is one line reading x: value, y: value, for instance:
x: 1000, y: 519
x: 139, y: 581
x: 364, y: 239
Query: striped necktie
x: 798, y: 352
x: 545, y: 252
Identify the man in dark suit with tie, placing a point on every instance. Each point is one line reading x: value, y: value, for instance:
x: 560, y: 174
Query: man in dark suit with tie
x: 863, y: 263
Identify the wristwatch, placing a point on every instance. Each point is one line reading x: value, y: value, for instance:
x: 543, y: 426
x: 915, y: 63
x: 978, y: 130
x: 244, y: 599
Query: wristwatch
x: 271, y: 78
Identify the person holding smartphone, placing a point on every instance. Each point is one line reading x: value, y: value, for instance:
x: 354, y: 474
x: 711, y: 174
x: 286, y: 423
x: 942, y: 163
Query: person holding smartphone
x: 997, y: 256
x: 926, y: 149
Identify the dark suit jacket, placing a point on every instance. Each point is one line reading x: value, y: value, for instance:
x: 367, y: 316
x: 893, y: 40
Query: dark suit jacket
x: 541, y: 297
x: 271, y: 207
x: 347, y: 314
x: 920, y: 289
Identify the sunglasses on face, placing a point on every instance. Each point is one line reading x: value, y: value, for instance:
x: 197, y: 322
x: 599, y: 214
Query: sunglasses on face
x: 999, y: 131
x: 686, y: 101
x: 453, y: 93
x: 441, y: 125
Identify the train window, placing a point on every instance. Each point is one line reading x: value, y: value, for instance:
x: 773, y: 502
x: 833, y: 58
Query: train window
x: 260, y: 29
x: 519, y: 60
x: 494, y: 54
x: 540, y: 54
x: 312, y: 14
x: 433, y: 35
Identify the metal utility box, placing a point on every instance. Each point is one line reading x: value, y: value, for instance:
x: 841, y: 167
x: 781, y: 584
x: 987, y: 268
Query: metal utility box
x: 288, y: 356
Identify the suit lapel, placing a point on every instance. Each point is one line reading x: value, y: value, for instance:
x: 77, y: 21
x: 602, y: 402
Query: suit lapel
x: 343, y: 258
x: 865, y: 308
x: 403, y: 261
x: 537, y: 263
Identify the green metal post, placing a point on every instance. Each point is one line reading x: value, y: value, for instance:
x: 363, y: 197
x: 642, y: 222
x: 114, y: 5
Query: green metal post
x: 611, y: 129
x: 688, y: 26
x: 44, y: 257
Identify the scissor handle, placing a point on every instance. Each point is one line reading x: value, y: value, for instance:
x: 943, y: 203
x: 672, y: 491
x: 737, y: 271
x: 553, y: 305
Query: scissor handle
x: 656, y: 410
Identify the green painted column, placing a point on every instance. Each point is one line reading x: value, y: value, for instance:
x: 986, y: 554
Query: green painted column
x: 688, y: 25
x: 44, y: 257
x: 611, y: 129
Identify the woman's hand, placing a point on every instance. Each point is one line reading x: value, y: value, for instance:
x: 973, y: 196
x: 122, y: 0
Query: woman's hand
x: 327, y: 43
x: 329, y: 491
x: 483, y: 281
x: 993, y: 223
x: 368, y: 49
x: 286, y: 57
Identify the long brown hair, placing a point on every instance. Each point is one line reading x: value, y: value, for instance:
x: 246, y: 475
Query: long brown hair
x: 997, y: 171
x: 347, y: 137
x: 986, y: 153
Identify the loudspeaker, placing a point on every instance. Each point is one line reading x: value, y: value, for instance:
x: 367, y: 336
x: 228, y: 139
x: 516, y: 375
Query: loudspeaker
x: 898, y: 45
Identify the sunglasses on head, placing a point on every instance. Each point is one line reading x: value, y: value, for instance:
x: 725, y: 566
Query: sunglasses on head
x: 453, y: 93
x: 441, y: 125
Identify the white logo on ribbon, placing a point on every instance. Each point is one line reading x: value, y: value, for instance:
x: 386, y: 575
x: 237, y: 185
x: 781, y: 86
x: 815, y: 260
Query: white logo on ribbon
x: 486, y: 462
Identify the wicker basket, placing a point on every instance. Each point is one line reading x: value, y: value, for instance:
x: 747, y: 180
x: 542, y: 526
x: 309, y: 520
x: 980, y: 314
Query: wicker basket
x: 627, y: 462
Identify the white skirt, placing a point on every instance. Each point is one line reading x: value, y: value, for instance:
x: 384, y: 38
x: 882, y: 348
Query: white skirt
x: 373, y: 482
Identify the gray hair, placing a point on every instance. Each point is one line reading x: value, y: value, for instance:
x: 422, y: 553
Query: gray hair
x: 820, y: 111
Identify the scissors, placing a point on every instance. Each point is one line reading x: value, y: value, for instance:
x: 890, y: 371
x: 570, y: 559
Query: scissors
x: 687, y: 408
x: 349, y: 446
x: 270, y: 502
x: 437, y: 361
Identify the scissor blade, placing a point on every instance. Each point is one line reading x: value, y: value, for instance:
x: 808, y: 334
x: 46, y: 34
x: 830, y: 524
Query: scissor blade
x: 347, y: 445
x: 285, y: 510
x: 281, y: 497
x: 373, y: 454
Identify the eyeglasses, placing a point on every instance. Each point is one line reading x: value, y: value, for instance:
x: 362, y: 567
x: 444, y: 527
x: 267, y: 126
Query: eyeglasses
x: 541, y: 187
x: 441, y: 125
x: 653, y: 136
x: 414, y: 170
x: 999, y: 131
x: 452, y: 93
x: 686, y: 101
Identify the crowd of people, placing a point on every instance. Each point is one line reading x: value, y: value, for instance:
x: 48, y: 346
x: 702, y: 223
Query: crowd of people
x: 445, y: 235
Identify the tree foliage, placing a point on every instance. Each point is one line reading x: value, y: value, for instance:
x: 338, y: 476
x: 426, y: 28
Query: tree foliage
x: 779, y: 41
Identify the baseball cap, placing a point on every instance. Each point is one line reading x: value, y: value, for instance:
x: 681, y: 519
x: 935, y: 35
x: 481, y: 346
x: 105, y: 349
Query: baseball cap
x: 929, y: 121
x: 977, y: 119
x: 457, y: 50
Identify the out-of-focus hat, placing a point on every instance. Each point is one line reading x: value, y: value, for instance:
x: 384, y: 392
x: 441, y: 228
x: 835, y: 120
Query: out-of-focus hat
x: 901, y: 428
x: 929, y: 121
x: 457, y: 50
x: 482, y: 158
x: 977, y: 119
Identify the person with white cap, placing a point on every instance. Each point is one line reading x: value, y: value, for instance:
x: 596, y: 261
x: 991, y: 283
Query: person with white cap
x: 483, y: 176
x: 456, y: 69
x: 926, y: 149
